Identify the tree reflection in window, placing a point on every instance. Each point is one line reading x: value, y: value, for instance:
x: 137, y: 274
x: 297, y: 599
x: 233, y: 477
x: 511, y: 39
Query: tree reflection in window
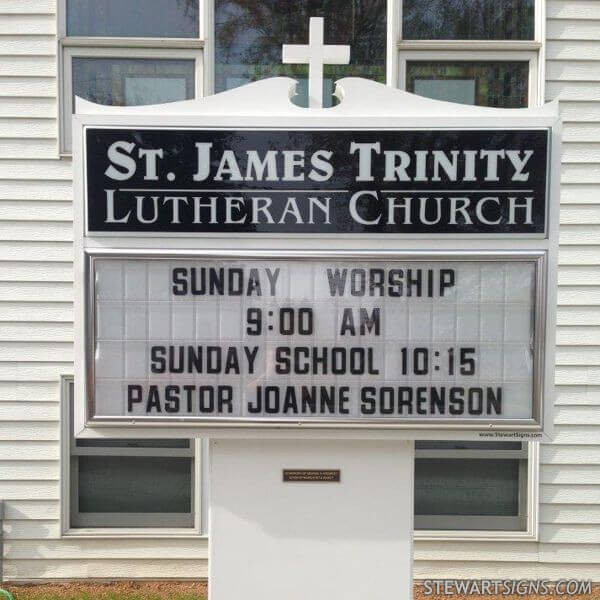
x: 468, y: 19
x: 250, y: 33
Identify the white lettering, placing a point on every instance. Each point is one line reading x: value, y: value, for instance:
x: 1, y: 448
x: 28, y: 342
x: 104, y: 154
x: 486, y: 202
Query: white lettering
x: 354, y: 212
x: 203, y: 161
x: 450, y: 167
x: 456, y: 208
x: 395, y: 171
x: 255, y: 169
x: 199, y: 205
x: 140, y: 210
x: 233, y: 203
x: 118, y: 155
x: 519, y: 163
x: 421, y: 174
x: 470, y: 156
x: 492, y: 157
x: 291, y: 160
x: 364, y: 158
x: 395, y: 205
x: 527, y: 206
x: 229, y: 167
x: 291, y: 207
x: 423, y: 210
x: 110, y: 209
x: 322, y: 170
x: 479, y: 207
x: 175, y: 201
x: 322, y: 205
x: 261, y: 205
x: 151, y: 157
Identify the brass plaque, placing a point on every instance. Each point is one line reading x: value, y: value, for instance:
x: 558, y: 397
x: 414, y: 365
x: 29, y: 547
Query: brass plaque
x: 318, y: 475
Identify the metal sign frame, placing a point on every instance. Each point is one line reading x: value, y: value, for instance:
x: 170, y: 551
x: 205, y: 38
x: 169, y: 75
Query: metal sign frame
x: 266, y: 104
x: 539, y: 306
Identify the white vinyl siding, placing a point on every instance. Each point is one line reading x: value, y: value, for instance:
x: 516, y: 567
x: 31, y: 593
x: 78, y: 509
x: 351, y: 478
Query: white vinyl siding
x: 36, y: 326
x: 36, y: 320
x: 570, y: 467
x: 569, y: 511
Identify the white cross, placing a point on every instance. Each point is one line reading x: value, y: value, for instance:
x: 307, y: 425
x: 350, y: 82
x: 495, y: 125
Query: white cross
x: 316, y: 54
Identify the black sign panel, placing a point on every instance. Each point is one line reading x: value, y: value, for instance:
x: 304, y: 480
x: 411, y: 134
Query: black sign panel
x: 299, y: 181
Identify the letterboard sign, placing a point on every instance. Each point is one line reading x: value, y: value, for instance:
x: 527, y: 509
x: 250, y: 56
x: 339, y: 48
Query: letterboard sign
x: 366, y: 339
x: 384, y: 268
x: 488, y: 181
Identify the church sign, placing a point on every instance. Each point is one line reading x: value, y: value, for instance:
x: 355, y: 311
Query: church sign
x: 321, y: 181
x: 247, y: 267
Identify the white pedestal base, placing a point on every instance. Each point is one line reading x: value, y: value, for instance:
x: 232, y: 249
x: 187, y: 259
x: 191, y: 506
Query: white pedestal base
x: 271, y: 540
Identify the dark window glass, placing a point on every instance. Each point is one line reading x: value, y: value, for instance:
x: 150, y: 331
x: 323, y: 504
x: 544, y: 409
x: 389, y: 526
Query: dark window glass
x: 250, y: 33
x: 127, y: 82
x: 498, y: 84
x: 133, y: 18
x: 135, y: 484
x: 468, y: 19
x: 486, y: 487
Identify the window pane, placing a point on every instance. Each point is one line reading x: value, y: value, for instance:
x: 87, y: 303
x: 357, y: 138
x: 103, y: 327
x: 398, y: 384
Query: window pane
x: 133, y: 18
x: 468, y: 19
x: 127, y: 82
x: 135, y: 484
x: 466, y: 487
x: 249, y: 36
x: 499, y: 84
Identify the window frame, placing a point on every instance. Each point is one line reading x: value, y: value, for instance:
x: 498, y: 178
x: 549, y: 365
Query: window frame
x: 70, y: 47
x: 493, y: 528
x: 471, y: 56
x: 145, y: 523
x: 531, y: 51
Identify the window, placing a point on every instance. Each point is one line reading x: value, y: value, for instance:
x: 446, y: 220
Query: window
x: 482, y: 52
x: 493, y: 83
x: 133, y: 18
x: 127, y: 82
x: 474, y: 487
x: 130, y: 483
x: 468, y: 20
x: 128, y: 53
x: 249, y: 36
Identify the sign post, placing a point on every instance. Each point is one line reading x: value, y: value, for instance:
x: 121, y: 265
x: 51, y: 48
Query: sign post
x: 275, y: 539
x: 314, y: 289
